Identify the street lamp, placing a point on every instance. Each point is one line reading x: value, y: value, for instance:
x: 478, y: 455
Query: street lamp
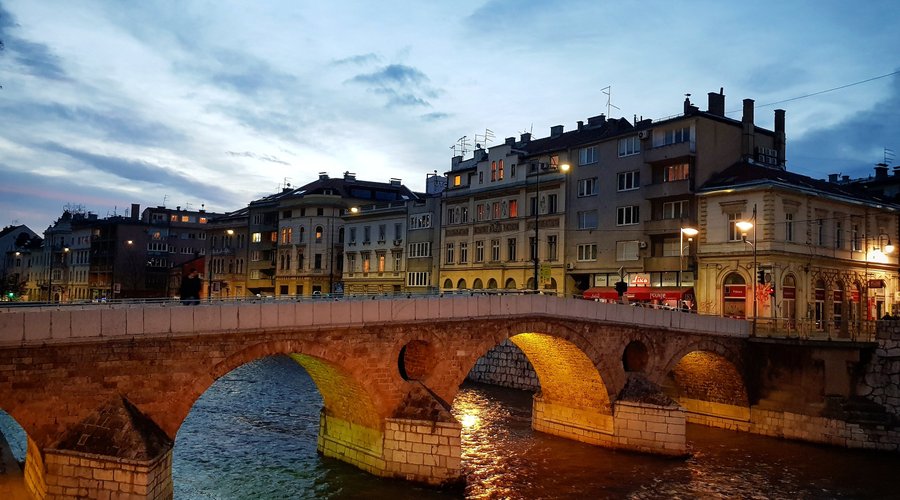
x: 745, y: 226
x: 537, y: 211
x: 690, y: 232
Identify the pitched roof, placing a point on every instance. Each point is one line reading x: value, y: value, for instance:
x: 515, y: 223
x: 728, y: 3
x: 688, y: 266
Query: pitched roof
x: 747, y: 174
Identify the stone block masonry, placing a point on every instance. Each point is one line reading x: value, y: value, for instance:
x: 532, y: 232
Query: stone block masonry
x: 506, y: 366
x: 82, y: 475
x: 881, y: 382
x: 423, y: 451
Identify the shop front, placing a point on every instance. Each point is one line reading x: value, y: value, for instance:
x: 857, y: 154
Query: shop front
x: 657, y: 297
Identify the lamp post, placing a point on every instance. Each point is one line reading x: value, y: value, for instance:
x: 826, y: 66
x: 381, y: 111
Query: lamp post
x: 537, y: 216
x: 690, y: 232
x: 745, y: 226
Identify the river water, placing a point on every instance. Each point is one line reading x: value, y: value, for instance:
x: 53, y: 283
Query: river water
x: 253, y: 435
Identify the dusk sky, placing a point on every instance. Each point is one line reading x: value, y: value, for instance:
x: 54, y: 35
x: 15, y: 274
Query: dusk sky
x: 216, y: 103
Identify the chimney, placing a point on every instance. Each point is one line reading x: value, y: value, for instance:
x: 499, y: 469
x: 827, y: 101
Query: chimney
x: 881, y: 171
x: 748, y: 129
x: 688, y: 107
x: 596, y: 120
x: 845, y: 178
x: 525, y: 137
x: 135, y: 211
x: 580, y: 124
x: 455, y: 161
x: 556, y: 130
x: 395, y: 181
x: 510, y: 141
x: 780, y: 138
x: 717, y: 102
x: 323, y: 176
x: 897, y: 171
x: 833, y: 177
x: 349, y: 176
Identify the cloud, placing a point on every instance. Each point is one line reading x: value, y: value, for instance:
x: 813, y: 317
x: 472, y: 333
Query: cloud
x: 402, y: 85
x: 248, y: 154
x: 357, y: 60
x: 436, y: 116
x: 238, y: 71
x: 852, y: 146
x: 34, y: 58
x: 134, y: 170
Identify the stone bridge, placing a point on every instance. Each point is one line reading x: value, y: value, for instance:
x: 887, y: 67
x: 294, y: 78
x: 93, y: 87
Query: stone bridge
x: 101, y: 392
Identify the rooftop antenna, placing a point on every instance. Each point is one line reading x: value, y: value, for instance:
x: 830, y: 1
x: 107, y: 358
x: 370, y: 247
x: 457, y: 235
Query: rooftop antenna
x: 486, y: 138
x: 187, y: 206
x: 461, y: 147
x: 287, y: 182
x: 607, y: 91
x: 165, y: 198
x: 888, y: 155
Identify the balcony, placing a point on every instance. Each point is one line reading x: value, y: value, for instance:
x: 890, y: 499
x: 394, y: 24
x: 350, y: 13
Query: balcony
x: 665, y: 226
x: 668, y: 152
x: 661, y: 264
x: 667, y: 189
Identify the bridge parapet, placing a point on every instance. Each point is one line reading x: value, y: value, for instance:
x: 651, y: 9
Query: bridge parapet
x: 30, y: 326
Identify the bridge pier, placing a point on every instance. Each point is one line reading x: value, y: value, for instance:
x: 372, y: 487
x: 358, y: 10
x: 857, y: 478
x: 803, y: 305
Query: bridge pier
x: 422, y: 451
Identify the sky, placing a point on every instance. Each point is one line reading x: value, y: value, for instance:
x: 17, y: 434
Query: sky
x: 211, y: 104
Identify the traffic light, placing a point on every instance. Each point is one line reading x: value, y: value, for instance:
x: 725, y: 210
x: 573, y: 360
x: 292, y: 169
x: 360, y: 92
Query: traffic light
x: 761, y: 277
x: 772, y: 290
x: 621, y: 288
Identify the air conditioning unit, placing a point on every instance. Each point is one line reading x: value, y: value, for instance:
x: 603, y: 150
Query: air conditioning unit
x: 570, y: 265
x: 644, y: 134
x: 642, y: 244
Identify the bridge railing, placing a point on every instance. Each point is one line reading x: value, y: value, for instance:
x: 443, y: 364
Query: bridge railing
x: 807, y: 329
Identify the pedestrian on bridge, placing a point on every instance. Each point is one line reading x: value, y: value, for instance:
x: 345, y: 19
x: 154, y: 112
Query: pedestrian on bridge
x: 190, y: 288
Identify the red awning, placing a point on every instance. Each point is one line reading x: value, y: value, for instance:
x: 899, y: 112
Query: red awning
x: 640, y: 293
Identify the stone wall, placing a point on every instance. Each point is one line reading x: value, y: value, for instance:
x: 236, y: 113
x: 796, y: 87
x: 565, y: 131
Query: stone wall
x: 81, y: 475
x: 423, y: 451
x: 881, y: 382
x: 506, y: 366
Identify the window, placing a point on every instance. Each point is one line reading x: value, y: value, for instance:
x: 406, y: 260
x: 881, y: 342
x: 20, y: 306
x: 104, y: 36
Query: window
x: 532, y: 248
x: 351, y: 262
x: 302, y: 234
x: 421, y: 249
x: 479, y: 251
x: 495, y: 210
x: 420, y: 221
x: 533, y: 205
x: 587, y: 219
x: 674, y: 209
x: 587, y: 252
x: 629, y: 146
x: 366, y: 262
x: 382, y: 233
x: 552, y: 203
x: 854, y: 238
x: 463, y: 252
x: 449, y: 253
x: 321, y: 211
x: 381, y: 262
x: 629, y: 180
x: 734, y: 233
x: 319, y: 232
x: 367, y: 235
x: 670, y: 247
x: 481, y: 177
x: 551, y: 247
x: 500, y: 170
x: 255, y: 256
x: 788, y: 227
x: 511, y: 249
x: 495, y: 250
x: 286, y: 233
x: 256, y: 237
x: 457, y: 180
x: 627, y: 216
x: 512, y: 169
x: 398, y: 260
x: 418, y: 278
x: 673, y: 136
x: 513, y: 209
x: 493, y: 171
x: 480, y: 211
x: 352, y: 235
x: 398, y: 231
x: 588, y: 155
x: 464, y: 215
x: 820, y: 232
x: 587, y: 187
x: 838, y: 235
x: 677, y: 172
x: 627, y: 250
x: 273, y: 236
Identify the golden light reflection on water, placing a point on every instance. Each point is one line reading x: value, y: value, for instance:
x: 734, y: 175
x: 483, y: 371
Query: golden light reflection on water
x: 468, y: 421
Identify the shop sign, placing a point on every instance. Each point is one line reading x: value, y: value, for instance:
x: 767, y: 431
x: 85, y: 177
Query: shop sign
x: 735, y: 291
x: 820, y: 294
x: 876, y: 283
x: 789, y: 292
x: 639, y: 279
x: 838, y: 295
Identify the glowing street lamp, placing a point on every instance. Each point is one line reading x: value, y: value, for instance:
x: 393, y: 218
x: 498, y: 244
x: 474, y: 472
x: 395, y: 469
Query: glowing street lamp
x: 744, y: 227
x: 537, y: 211
x: 690, y: 232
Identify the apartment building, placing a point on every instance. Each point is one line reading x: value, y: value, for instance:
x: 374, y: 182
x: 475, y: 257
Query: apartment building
x: 16, y: 244
x: 227, y: 238
x: 819, y: 255
x: 374, y: 246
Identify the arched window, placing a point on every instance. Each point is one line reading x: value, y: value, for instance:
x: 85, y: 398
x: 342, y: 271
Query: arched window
x: 302, y: 234
x: 319, y: 232
x: 448, y: 285
x: 461, y: 284
x: 837, y: 306
x: 510, y: 284
x: 477, y: 285
x: 789, y: 301
x: 492, y: 284
x: 820, y: 304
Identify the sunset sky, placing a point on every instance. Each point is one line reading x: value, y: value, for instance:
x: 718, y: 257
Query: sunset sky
x: 216, y: 103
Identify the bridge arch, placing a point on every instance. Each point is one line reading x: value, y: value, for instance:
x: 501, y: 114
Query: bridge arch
x: 707, y: 379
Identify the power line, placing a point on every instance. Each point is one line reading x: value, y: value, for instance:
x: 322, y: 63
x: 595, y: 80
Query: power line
x: 821, y: 91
